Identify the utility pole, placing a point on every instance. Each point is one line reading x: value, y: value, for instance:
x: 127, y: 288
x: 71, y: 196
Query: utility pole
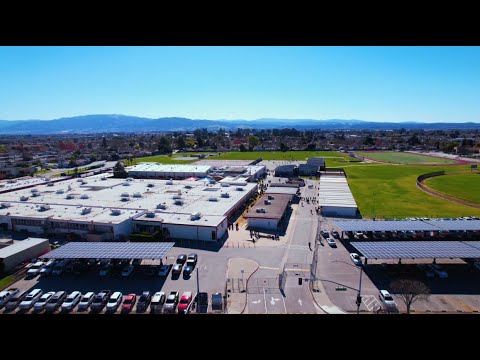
x: 359, y: 295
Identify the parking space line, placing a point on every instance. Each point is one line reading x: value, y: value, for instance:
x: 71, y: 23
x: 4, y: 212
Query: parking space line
x: 265, y: 301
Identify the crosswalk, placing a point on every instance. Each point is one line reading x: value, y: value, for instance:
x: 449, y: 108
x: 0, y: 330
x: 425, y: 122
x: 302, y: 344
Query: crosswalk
x: 371, y: 302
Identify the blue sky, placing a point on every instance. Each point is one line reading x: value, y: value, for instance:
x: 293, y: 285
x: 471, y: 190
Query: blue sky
x: 431, y: 84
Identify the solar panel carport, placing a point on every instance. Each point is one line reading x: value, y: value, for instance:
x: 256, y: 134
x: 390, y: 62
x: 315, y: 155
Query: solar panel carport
x: 110, y: 250
x: 405, y: 225
x: 418, y: 249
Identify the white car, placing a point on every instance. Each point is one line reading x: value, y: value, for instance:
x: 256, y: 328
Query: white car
x: 31, y: 299
x: 114, y: 301
x: 42, y: 302
x: 35, y: 268
x: 86, y: 301
x: 332, y: 242
x: 356, y: 259
x: 127, y: 271
x: 438, y: 270
x: 157, y: 302
x: 71, y: 301
x: 387, y: 299
x: 47, y: 269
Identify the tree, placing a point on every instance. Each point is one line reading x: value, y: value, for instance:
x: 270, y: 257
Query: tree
x: 253, y: 141
x: 190, y: 142
x: 104, y: 142
x: 311, y: 147
x: 409, y: 291
x: 283, y: 147
x: 119, y: 170
x: 414, y: 140
x: 243, y: 148
x: 164, y: 145
x: 180, y: 142
x: 369, y: 140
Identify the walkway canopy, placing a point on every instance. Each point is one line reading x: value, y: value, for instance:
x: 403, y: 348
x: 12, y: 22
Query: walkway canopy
x: 418, y: 249
x: 110, y: 250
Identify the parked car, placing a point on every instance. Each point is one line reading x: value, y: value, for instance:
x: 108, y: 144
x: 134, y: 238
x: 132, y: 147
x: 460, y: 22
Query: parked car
x: 185, y: 301
x: 105, y: 270
x: 177, y: 269
x: 56, y: 301
x: 171, y: 302
x: 34, y: 270
x: 136, y: 262
x: 335, y: 234
x: 6, y: 295
x: 439, y: 271
x: 164, y: 270
x: 387, y: 300
x: 325, y: 234
x: 114, y: 302
x: 217, y: 301
x: 356, y: 259
x: 129, y: 303
x: 192, y: 260
x: 71, y: 301
x: 144, y: 301
x: 59, y: 267
x: 47, y: 269
x: 187, y: 270
x: 30, y: 299
x: 158, y: 300
x: 42, y: 301
x: 181, y: 259
x: 100, y: 301
x: 331, y: 242
x: 127, y: 271
x: 15, y: 300
x: 86, y: 301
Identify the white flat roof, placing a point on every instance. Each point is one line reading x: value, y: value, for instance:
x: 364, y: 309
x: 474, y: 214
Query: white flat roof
x: 103, y: 195
x: 170, y: 168
x: 20, y: 246
x: 183, y: 219
x: 335, y: 192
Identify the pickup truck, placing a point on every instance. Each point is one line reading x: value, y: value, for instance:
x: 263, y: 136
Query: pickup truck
x: 100, y: 300
x: 6, y: 295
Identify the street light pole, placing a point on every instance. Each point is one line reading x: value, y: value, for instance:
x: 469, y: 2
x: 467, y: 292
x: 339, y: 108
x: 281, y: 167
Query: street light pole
x: 359, y: 295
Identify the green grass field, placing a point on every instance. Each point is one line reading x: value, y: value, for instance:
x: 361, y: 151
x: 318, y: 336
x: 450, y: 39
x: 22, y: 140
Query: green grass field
x: 332, y: 158
x: 403, y: 158
x: 387, y: 191
x: 462, y: 186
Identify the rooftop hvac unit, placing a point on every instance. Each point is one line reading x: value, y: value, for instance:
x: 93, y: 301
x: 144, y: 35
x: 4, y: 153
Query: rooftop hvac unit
x: 262, y: 210
x: 44, y: 207
x: 126, y: 184
x: 70, y: 196
x: 86, y: 211
x: 225, y: 185
x: 24, y: 198
x: 268, y: 202
x: 84, y: 196
x: 103, y: 178
x: 150, y: 185
x: 35, y: 194
x: 178, y: 202
x: 137, y: 195
x: 169, y: 182
x: 195, y: 216
x: 84, y: 182
x: 213, y: 199
x: 150, y: 215
x: 188, y: 186
x: 60, y: 191
x: 161, y: 206
x: 125, y: 195
x: 225, y: 195
x: 129, y: 179
x: 5, y: 205
x: 34, y: 191
x: 239, y: 189
x: 270, y: 197
x: 116, y: 212
x: 50, y: 184
x: 79, y: 180
x: 177, y: 197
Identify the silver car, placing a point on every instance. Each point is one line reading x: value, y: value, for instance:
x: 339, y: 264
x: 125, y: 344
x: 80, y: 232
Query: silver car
x: 30, y: 299
x: 86, y: 301
x: 42, y: 302
x: 71, y: 301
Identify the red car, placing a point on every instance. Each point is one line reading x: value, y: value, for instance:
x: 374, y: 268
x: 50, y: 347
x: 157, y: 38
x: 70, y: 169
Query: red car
x: 129, y: 303
x: 185, y: 301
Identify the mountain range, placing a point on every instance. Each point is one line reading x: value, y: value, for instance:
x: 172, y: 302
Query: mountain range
x: 122, y: 123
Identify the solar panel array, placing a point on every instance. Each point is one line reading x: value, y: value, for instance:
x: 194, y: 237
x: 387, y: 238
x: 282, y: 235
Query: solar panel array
x: 405, y: 225
x: 110, y: 250
x: 418, y: 249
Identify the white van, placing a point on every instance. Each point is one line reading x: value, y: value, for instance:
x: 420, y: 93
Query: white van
x: 387, y: 299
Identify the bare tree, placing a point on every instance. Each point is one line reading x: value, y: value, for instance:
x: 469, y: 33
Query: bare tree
x: 410, y: 291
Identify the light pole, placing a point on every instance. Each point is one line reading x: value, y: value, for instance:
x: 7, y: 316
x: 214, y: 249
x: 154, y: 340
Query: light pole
x: 359, y: 295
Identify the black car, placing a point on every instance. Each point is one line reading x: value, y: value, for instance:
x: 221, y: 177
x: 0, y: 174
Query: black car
x: 144, y: 301
x: 181, y: 259
x: 187, y: 271
x: 335, y: 234
x: 100, y: 300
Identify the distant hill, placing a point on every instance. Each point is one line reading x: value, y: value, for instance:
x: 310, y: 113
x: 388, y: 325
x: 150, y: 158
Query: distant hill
x: 123, y: 123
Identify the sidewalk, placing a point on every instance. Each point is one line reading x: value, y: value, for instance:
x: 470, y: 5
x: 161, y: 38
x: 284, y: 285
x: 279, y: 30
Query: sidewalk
x: 237, y: 302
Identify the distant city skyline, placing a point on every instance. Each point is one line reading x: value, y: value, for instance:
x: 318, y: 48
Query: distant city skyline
x: 382, y: 84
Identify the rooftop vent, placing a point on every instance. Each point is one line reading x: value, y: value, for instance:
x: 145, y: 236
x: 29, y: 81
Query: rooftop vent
x: 103, y: 178
x: 188, y: 186
x: 195, y: 216
x: 150, y: 214
x: 137, y: 195
x: 125, y: 195
x: 239, y: 189
x: 169, y: 182
x: 126, y: 184
x: 178, y: 202
x: 150, y: 185
x: 79, y: 180
x: 225, y: 185
x: 24, y: 198
x: 116, y: 212
x: 261, y: 210
x: 129, y: 179
x: 177, y: 197
x: 44, y: 207
x: 270, y: 197
x: 86, y: 211
x: 70, y: 196
x: 84, y: 196
x: 161, y: 206
x: 5, y: 205
x: 34, y: 191
x: 50, y: 184
x: 35, y: 194
x: 60, y: 191
x: 213, y: 199
x: 268, y: 202
x: 225, y: 195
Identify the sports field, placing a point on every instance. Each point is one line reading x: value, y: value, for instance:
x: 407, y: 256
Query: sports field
x: 332, y: 158
x: 462, y: 186
x: 403, y: 158
x: 386, y: 191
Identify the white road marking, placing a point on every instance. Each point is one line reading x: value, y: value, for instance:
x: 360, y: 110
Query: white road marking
x: 268, y: 268
x: 300, y: 302
x: 256, y: 301
x: 274, y: 300
x: 264, y: 298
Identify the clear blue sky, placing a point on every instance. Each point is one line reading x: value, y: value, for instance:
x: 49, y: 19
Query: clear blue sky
x: 369, y: 83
